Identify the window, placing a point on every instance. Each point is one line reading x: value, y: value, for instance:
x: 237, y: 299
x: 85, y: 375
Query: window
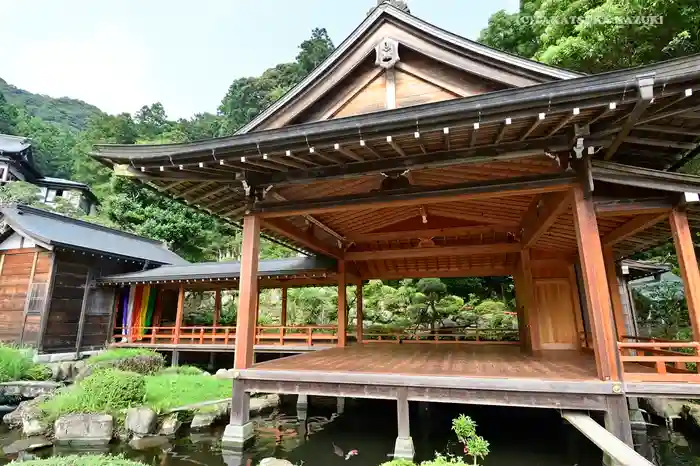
x: 37, y: 298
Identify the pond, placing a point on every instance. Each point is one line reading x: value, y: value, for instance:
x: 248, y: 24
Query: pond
x: 526, y: 437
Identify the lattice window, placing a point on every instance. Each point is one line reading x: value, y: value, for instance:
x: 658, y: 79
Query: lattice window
x: 37, y: 298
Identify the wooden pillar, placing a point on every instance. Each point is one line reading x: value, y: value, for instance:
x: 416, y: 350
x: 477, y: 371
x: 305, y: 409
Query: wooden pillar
x: 180, y: 313
x: 83, y: 312
x: 217, y: 308
x: 283, y: 312
x: 688, y: 264
x: 595, y: 286
x: 617, y: 419
x: 342, y: 305
x: 247, y: 293
x: 614, y: 289
x: 360, y: 312
x: 527, y: 304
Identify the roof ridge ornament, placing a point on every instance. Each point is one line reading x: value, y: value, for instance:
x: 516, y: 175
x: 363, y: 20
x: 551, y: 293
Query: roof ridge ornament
x: 387, y: 50
x: 398, y: 4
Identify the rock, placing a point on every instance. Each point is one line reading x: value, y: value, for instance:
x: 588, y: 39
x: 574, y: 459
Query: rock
x: 78, y: 366
x: 221, y: 373
x: 33, y: 426
x: 140, y: 421
x: 86, y: 429
x: 146, y: 443
x: 666, y: 408
x: 275, y: 462
x: 65, y: 371
x: 259, y: 404
x: 27, y: 444
x: 170, y: 425
x: 205, y: 419
x: 26, y: 410
x: 28, y: 388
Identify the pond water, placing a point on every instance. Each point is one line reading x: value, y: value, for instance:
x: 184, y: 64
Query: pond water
x: 526, y: 437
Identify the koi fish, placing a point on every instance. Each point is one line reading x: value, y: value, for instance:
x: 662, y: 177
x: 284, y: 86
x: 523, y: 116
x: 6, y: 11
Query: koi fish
x: 338, y: 451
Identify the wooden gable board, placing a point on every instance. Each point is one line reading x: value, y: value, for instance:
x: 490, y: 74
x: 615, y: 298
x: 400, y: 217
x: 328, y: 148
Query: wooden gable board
x: 350, y: 59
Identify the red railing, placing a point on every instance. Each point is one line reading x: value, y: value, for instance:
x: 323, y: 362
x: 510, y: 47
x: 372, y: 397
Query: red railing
x: 309, y: 335
x: 458, y: 335
x: 656, y: 360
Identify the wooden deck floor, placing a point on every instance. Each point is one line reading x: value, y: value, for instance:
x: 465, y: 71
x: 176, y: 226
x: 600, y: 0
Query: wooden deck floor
x: 442, y: 360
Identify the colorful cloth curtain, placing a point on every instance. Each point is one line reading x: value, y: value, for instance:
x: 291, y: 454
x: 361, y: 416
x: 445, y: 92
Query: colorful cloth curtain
x: 141, y: 302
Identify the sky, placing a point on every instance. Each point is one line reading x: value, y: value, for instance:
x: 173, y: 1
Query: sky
x: 121, y: 55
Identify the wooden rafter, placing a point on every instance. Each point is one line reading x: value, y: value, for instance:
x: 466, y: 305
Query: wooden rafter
x: 313, y: 220
x: 669, y: 130
x: 348, y: 153
x: 532, y: 128
x: 288, y: 230
x: 430, y: 233
x: 631, y: 228
x: 646, y: 94
x: 501, y: 133
x: 565, y: 121
x: 667, y: 114
x: 542, y: 214
x: 394, y: 145
x: 207, y: 194
x: 617, y: 207
x: 388, y: 254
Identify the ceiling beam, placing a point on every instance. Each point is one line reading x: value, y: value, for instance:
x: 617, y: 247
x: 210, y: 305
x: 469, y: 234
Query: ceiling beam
x: 631, y: 228
x: 646, y: 94
x: 313, y: 220
x: 470, y: 250
x: 418, y: 195
x: 661, y: 143
x: 460, y: 272
x: 669, y: 130
x: 430, y: 233
x: 618, y: 207
x: 289, y: 231
x: 542, y: 214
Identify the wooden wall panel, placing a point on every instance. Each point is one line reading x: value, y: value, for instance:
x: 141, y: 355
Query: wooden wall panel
x: 371, y: 98
x: 411, y: 90
x: 556, y: 316
x: 15, y: 277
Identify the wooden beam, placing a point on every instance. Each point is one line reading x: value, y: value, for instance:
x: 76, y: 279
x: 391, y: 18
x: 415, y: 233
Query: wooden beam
x: 247, y: 293
x: 283, y: 311
x: 348, y: 153
x: 528, y: 293
x: 394, y: 145
x: 631, y: 228
x: 661, y: 143
x: 646, y: 94
x: 390, y: 89
x: 595, y: 286
x: 342, y: 304
x: 431, y: 233
x: 618, y: 207
x: 291, y: 232
x: 457, y: 272
x: 83, y: 310
x: 209, y: 193
x: 313, y: 220
x: 688, y: 264
x: 542, y: 214
x: 387, y: 254
x: 532, y: 128
x: 614, y: 288
x: 419, y: 195
x: 668, y: 130
x: 359, y: 296
x: 178, y: 316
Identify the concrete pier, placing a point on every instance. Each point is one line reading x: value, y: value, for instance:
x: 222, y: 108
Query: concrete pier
x: 239, y: 430
x: 340, y: 405
x: 404, y: 442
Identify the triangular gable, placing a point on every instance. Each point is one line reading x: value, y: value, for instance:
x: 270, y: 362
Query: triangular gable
x: 436, y: 62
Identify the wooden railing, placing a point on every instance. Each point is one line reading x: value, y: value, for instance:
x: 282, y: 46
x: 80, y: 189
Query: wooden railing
x: 193, y: 335
x: 458, y: 335
x: 656, y: 360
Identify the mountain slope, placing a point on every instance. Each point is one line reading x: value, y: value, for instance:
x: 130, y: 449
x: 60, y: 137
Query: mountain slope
x: 64, y: 112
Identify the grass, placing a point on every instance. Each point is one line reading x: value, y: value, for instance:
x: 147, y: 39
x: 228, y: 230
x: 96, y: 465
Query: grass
x: 168, y: 391
x: 16, y: 364
x: 80, y: 460
x: 120, y: 353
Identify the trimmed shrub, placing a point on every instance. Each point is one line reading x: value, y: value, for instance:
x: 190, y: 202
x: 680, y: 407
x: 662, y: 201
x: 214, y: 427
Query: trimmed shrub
x: 141, y: 361
x: 16, y: 364
x: 184, y: 370
x: 81, y: 460
x: 120, y: 353
x: 167, y: 391
x: 399, y: 462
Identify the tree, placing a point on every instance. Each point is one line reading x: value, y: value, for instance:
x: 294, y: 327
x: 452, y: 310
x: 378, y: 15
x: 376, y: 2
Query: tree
x: 431, y: 303
x: 314, y: 50
x: 8, y: 116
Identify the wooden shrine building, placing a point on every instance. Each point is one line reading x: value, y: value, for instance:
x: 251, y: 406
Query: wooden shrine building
x: 48, y: 265
x: 413, y: 152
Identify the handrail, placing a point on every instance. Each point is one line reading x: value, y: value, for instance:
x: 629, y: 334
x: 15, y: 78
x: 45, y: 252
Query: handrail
x: 669, y: 364
x: 467, y: 335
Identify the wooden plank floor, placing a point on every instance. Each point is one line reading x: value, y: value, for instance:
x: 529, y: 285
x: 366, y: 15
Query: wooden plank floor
x: 442, y: 359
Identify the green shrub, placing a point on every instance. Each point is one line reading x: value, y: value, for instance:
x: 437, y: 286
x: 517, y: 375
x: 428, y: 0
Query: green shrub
x: 142, y: 361
x: 185, y: 370
x: 108, y: 391
x: 399, y: 462
x: 167, y: 391
x: 16, y: 364
x: 80, y: 460
x: 441, y: 460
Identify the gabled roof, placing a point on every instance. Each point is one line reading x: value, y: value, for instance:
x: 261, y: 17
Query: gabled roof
x: 530, y: 71
x: 211, y: 271
x: 13, y: 144
x: 54, y: 230
x: 61, y: 183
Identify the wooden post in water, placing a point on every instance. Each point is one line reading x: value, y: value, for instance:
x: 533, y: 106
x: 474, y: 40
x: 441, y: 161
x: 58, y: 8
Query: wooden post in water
x: 342, y: 307
x: 595, y: 285
x: 247, y: 293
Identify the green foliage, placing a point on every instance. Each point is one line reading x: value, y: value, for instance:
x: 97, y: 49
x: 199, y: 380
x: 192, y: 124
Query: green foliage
x: 444, y: 460
x: 661, y: 310
x: 167, y: 391
x: 80, y: 460
x: 184, y: 370
x: 136, y: 360
x: 398, y: 462
x: 106, y: 391
x: 475, y: 446
x: 16, y: 364
x: 119, y: 353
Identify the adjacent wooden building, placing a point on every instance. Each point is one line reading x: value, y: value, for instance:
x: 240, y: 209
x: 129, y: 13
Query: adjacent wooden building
x: 413, y: 152
x: 48, y: 264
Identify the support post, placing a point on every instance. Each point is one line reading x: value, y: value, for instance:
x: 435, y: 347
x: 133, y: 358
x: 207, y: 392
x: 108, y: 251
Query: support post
x: 217, y: 309
x: 340, y: 405
x: 617, y: 422
x: 283, y: 312
x: 342, y: 305
x: 247, y: 293
x: 527, y: 304
x: 595, y: 286
x: 360, y: 312
x: 688, y: 264
x: 83, y: 310
x: 180, y: 313
x: 175, y: 360
x: 239, y: 430
x: 614, y: 289
x: 404, y: 443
